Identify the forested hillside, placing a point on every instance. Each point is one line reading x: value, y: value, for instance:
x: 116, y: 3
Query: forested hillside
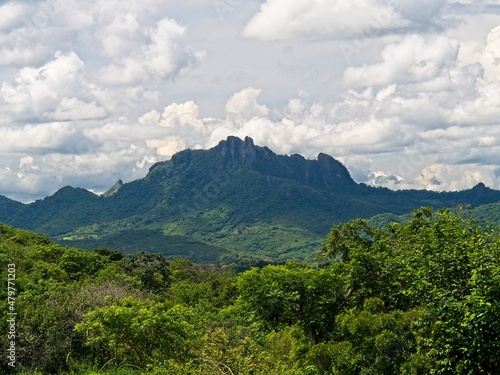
x: 234, y: 200
x: 485, y: 214
x: 415, y: 298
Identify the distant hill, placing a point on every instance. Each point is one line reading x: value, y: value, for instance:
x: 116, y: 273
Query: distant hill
x: 485, y: 214
x: 488, y: 213
x: 148, y: 240
x: 237, y: 197
x: 9, y: 208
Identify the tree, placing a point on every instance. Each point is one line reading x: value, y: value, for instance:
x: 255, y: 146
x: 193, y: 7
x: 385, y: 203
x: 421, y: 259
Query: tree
x: 439, y: 262
x: 294, y: 294
x: 358, y: 252
x: 113, y: 255
x: 138, y: 332
x: 151, y: 269
x: 374, y: 341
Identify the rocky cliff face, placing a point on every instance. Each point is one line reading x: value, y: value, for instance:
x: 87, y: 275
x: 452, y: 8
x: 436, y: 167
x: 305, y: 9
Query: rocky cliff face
x: 235, y: 149
x: 325, y: 171
x: 333, y: 170
x: 113, y: 189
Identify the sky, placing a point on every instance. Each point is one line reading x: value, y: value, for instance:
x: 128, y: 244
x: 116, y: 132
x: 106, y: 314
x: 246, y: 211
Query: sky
x: 405, y: 93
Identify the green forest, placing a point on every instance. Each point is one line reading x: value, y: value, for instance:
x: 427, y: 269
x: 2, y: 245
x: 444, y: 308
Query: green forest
x: 417, y: 297
x: 233, y: 201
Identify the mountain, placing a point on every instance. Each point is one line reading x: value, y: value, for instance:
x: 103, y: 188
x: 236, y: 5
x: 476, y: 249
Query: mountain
x: 486, y: 214
x: 8, y: 208
x: 113, y: 189
x: 241, y: 198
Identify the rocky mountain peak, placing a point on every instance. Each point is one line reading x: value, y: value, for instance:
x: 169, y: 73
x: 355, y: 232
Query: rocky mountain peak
x: 113, y: 189
x: 332, y: 167
x: 241, y: 150
x: 480, y: 186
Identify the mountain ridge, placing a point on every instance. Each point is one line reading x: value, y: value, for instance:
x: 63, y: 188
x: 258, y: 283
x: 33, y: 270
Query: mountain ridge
x: 236, y: 195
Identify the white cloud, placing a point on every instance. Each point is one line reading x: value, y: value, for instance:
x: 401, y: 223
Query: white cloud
x: 120, y: 35
x: 475, y: 2
x: 455, y: 177
x: 336, y: 19
x: 483, y: 109
x: 414, y: 103
x: 166, y: 55
x: 71, y: 109
x: 35, y: 137
x: 11, y: 15
x: 422, y: 12
x: 163, y: 54
x: 243, y: 105
x: 490, y: 58
x: 184, y: 114
x: 168, y: 146
x: 19, y: 51
x: 27, y: 161
x: 140, y: 50
x: 128, y: 71
x: 415, y: 58
x: 35, y: 91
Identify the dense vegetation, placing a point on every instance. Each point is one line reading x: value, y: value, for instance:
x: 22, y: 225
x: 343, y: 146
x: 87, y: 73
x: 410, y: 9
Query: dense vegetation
x: 486, y: 214
x: 236, y: 199
x: 421, y: 297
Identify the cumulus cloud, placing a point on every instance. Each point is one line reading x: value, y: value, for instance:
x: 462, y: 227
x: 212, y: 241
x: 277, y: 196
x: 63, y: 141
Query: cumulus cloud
x: 120, y: 35
x: 415, y: 58
x: 11, y: 15
x: 422, y: 12
x: 76, y: 109
x: 35, y: 138
x: 306, y: 128
x: 407, y: 108
x: 163, y: 54
x: 444, y: 177
x: 243, y: 105
x: 490, y: 58
x: 166, y: 54
x: 36, y: 90
x: 167, y: 147
x: 184, y: 115
x: 336, y: 19
x: 114, y: 56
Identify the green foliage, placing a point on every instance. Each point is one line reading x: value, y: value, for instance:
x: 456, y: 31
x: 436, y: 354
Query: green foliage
x: 205, y: 286
x: 443, y: 263
x: 151, y: 270
x: 371, y: 341
x: 111, y: 254
x: 132, y: 241
x: 413, y: 298
x: 487, y: 213
x: 138, y: 333
x: 358, y: 252
x: 294, y: 294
